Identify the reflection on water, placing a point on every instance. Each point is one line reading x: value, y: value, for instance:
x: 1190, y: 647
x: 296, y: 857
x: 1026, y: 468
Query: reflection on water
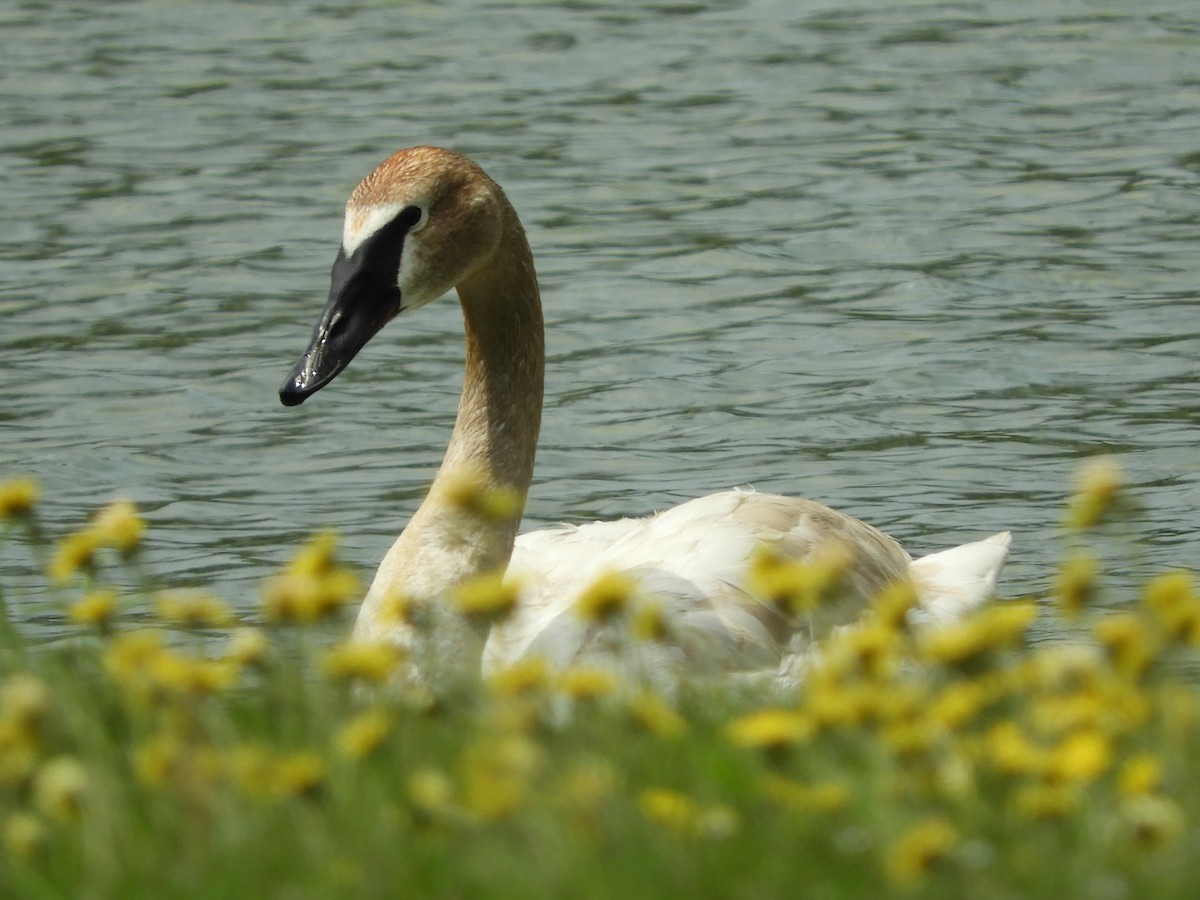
x: 913, y: 260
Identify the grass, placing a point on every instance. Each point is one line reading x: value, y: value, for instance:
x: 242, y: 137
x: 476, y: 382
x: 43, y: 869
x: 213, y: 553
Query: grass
x: 191, y: 755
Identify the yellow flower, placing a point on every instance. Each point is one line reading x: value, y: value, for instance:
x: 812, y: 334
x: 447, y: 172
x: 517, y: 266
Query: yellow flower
x: 1046, y: 801
x: 430, y: 791
x: 363, y: 735
x: 24, y: 835
x: 991, y: 628
x: 18, y: 496
x: 185, y: 676
x: 1012, y: 752
x: 799, y: 587
x: 650, y: 622
x: 771, y: 729
x: 120, y: 526
x: 653, y: 713
x: 1129, y: 644
x: 157, y: 759
x: 1172, y: 599
x: 312, y: 587
x: 98, y: 608
x: 24, y: 703
x: 74, y: 553
x: 1083, y: 757
x: 60, y: 788
x: 301, y: 773
x: 18, y: 752
x: 1154, y: 821
x: 1141, y: 774
x: 373, y: 661
x: 1075, y: 584
x: 673, y: 809
x: 496, y: 775
x: 605, y: 597
x: 471, y: 493
x: 893, y: 603
x: 587, y: 682
x: 247, y: 647
x: 911, y: 856
x: 193, y: 609
x: 958, y: 704
x: 524, y: 677
x: 129, y: 656
x: 488, y: 598
x: 1099, y: 485
x: 823, y: 797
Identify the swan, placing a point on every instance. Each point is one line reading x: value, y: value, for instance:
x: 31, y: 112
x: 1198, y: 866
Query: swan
x: 427, y: 220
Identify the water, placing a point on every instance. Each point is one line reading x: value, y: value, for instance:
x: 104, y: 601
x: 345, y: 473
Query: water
x: 916, y: 260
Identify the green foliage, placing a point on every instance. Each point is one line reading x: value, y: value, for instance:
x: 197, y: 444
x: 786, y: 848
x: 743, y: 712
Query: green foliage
x: 198, y: 756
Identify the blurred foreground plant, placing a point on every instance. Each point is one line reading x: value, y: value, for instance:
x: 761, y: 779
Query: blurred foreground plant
x: 220, y: 750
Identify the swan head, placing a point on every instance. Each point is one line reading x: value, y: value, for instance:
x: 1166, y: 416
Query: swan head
x: 424, y: 221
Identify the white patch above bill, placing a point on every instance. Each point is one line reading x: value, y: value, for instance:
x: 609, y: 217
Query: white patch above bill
x: 364, y: 221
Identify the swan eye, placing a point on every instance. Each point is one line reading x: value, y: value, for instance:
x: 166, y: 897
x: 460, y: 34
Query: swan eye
x: 411, y: 218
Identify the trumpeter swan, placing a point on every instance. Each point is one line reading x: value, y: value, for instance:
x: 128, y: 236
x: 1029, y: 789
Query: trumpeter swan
x: 428, y: 220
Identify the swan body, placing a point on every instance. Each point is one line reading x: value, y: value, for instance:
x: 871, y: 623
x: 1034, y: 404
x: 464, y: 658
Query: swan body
x: 428, y: 220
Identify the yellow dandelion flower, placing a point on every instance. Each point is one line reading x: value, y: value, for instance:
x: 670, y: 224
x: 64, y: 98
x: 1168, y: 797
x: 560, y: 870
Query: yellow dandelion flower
x: 471, y: 493
x: 73, y: 554
x: 317, y: 558
x: 605, y: 597
x: 586, y: 785
x: 18, y: 497
x: 1083, y: 757
x: 587, y: 682
x: 299, y: 774
x: 364, y: 734
x: 157, y: 759
x: 120, y: 526
x: 925, y: 844
x: 822, y: 797
x: 25, y: 702
x: 1141, y: 774
x: 871, y: 650
x: 1154, y: 821
x: 247, y: 647
x: 193, y: 609
x: 650, y: 622
x: 525, y: 677
x: 1172, y: 599
x: 60, y: 788
x: 893, y: 604
x: 1130, y: 646
x: 180, y: 675
x: 97, y: 608
x: 958, y: 704
x: 799, y: 587
x: 430, y: 791
x: 1042, y: 802
x: 1011, y: 752
x: 373, y: 661
x: 24, y: 835
x: 1097, y: 490
x: 991, y: 628
x: 1075, y: 584
x: 497, y: 774
x: 673, y: 809
x: 18, y: 752
x: 654, y: 714
x: 396, y: 608
x: 771, y: 729
x: 252, y: 769
x: 129, y: 656
x: 488, y: 598
x: 312, y: 587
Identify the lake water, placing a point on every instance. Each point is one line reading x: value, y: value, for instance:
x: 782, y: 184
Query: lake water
x: 916, y: 260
